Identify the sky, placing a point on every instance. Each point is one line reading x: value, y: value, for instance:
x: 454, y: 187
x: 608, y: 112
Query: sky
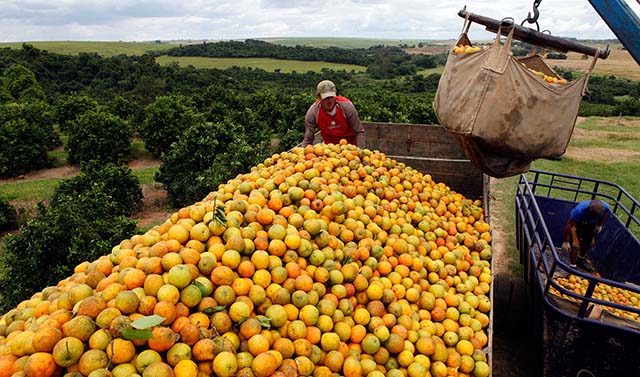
x: 148, y: 20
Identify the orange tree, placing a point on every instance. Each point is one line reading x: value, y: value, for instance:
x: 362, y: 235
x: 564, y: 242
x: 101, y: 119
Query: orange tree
x: 8, y: 216
x: 86, y: 217
x: 206, y: 155
x: 26, y: 134
x: 101, y: 136
x: 164, y: 121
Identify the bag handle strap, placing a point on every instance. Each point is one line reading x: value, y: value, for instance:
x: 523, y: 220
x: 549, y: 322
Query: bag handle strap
x: 498, y: 56
x: 593, y: 64
x: 467, y: 24
x: 505, y: 22
x: 534, y: 48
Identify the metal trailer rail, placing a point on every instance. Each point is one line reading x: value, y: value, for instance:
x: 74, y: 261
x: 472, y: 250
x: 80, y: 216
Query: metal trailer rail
x: 570, y: 338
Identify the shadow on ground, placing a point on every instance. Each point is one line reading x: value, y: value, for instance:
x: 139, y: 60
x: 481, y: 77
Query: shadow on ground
x: 514, y: 347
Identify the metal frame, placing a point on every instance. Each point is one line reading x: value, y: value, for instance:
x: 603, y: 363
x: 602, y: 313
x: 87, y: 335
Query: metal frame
x: 622, y: 21
x: 534, y: 37
x: 533, y: 238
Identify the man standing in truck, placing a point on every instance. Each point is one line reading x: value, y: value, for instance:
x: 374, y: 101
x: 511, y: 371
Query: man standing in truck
x: 585, y: 221
x: 335, y: 116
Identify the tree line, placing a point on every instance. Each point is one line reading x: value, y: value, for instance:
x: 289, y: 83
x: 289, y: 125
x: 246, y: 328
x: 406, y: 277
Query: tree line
x: 381, y: 61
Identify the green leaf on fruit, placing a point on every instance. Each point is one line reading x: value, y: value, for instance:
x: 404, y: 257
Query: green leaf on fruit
x: 265, y: 322
x: 131, y: 334
x: 220, y: 216
x: 213, y: 309
x: 147, y: 322
x: 201, y: 287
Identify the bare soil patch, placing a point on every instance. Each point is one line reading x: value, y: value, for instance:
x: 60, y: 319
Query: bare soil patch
x: 70, y: 171
x: 155, y: 207
x: 602, y: 154
x: 499, y: 237
x: 428, y: 50
x: 619, y: 63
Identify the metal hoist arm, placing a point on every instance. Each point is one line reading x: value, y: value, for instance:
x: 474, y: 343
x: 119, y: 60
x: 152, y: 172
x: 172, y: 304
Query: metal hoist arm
x: 622, y: 21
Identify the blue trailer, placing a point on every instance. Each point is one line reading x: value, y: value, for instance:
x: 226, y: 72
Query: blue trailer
x: 577, y: 332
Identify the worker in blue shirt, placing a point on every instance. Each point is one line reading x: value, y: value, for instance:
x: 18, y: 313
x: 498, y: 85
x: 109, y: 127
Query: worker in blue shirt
x: 585, y: 221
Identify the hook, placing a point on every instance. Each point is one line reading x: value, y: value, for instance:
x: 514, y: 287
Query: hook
x: 536, y: 13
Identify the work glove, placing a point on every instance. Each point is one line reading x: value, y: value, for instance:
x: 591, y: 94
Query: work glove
x: 566, y: 247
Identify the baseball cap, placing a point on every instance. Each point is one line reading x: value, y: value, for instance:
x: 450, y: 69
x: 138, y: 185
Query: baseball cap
x: 326, y: 89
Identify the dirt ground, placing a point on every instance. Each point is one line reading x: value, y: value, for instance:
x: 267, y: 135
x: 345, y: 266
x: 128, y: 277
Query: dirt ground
x: 513, y: 351
x: 155, y: 208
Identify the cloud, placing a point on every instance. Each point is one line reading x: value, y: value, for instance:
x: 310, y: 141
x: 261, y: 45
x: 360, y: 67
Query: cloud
x: 131, y: 20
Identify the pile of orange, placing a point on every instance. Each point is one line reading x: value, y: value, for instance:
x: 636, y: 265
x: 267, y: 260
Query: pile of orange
x: 547, y: 78
x: 465, y: 49
x: 327, y: 260
x: 603, y: 292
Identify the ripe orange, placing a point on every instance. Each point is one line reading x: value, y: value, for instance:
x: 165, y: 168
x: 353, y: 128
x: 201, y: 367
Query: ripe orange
x: 265, y: 364
x: 121, y: 351
x: 40, y: 364
x: 163, y: 338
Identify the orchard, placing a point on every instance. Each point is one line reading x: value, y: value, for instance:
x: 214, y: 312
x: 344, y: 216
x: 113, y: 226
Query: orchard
x: 321, y: 261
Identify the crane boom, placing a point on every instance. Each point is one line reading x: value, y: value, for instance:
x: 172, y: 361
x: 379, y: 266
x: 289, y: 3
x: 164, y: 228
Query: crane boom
x: 623, y: 22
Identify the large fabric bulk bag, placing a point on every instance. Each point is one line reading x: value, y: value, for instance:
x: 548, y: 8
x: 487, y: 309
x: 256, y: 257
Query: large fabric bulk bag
x: 503, y: 114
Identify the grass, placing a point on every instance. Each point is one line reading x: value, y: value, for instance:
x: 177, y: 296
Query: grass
x: 266, y: 64
x: 33, y: 190
x: 58, y: 157
x: 105, y: 49
x: 42, y: 189
x: 139, y: 151
x: 146, y: 175
x: 430, y: 71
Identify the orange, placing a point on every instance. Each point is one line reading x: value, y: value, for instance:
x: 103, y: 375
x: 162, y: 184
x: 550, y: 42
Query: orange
x: 257, y: 344
x: 265, y: 364
x: 92, y: 360
x: 45, y: 338
x: 158, y: 369
x: 163, y: 338
x: 204, y: 350
x: 186, y: 368
x: 121, y: 351
x: 225, y: 364
x: 167, y: 310
x: 40, y: 364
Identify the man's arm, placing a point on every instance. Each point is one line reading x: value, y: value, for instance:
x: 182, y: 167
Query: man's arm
x: 309, y: 126
x: 571, y: 224
x: 353, y: 118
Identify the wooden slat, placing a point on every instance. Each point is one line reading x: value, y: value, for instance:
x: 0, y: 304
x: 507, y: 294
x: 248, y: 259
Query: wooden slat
x: 429, y: 149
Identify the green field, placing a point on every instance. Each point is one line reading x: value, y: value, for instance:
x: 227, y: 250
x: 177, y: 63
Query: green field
x: 430, y: 71
x: 619, y: 63
x: 266, y: 64
x: 42, y: 189
x: 343, y: 42
x: 104, y: 49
